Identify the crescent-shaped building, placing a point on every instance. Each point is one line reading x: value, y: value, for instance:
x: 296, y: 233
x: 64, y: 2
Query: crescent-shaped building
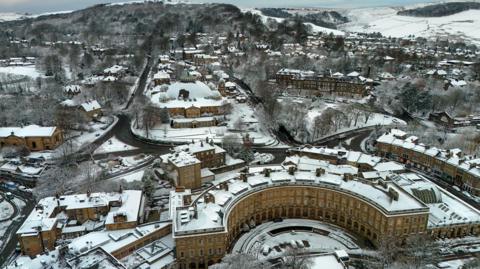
x: 205, y: 225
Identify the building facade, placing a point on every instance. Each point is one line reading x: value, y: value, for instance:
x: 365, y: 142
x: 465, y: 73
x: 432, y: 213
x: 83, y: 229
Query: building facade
x: 312, y: 84
x: 451, y: 165
x: 33, y: 137
x: 43, y: 227
x: 263, y: 199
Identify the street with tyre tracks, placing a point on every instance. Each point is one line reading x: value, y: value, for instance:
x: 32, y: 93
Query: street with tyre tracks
x: 351, y: 140
x: 17, y: 218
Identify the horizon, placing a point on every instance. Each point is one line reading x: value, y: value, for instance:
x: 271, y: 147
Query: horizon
x: 37, y: 7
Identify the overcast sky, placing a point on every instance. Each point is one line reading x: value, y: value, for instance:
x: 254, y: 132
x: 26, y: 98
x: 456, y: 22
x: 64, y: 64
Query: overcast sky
x: 39, y: 6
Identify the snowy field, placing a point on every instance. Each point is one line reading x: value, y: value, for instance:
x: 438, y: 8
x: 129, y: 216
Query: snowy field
x: 465, y: 25
x: 10, y: 16
x: 29, y: 71
x: 314, y: 28
x: 113, y: 145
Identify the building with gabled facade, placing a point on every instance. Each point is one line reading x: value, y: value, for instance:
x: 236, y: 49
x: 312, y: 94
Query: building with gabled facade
x: 33, y: 137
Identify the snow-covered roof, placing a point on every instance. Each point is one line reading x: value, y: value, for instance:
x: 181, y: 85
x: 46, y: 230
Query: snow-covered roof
x: 198, y: 146
x: 308, y: 164
x: 91, y: 105
x: 43, y: 217
x: 205, y: 215
x: 388, y: 166
x: 455, y: 157
x: 27, y: 131
x: 114, y: 69
x: 68, y: 103
x: 131, y: 207
x: 230, y: 84
x: 161, y: 75
x: 447, y: 210
x: 181, y: 158
x: 353, y: 74
x: 199, y: 95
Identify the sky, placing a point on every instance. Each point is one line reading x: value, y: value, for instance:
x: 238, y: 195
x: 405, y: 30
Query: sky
x: 41, y: 6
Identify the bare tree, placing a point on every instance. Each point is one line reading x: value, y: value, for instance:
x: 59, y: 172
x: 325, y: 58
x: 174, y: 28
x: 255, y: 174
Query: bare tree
x: 388, y: 249
x: 297, y: 259
x: 239, y: 261
x: 419, y: 251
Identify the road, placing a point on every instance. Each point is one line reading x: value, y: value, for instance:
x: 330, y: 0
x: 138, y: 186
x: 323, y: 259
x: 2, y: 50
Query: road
x: 142, y: 83
x: 11, y: 240
x: 123, y: 133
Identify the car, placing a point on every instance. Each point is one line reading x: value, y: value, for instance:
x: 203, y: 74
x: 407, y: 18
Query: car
x: 9, y: 195
x: 266, y: 250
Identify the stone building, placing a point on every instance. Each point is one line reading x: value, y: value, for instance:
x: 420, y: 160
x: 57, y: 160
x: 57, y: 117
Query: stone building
x: 190, y: 163
x: 311, y: 84
x: 205, y: 228
x: 451, y: 165
x: 34, y: 137
x: 45, y: 224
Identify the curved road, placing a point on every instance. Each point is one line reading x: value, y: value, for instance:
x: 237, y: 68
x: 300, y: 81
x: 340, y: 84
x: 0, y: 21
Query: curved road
x: 9, y: 238
x: 123, y: 133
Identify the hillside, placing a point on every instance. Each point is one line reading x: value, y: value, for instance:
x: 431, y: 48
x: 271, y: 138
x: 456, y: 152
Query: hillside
x: 117, y: 24
x: 327, y: 19
x: 461, y: 26
x: 440, y: 10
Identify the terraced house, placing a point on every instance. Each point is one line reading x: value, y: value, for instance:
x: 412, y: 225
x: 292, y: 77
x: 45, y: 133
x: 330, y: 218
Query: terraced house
x: 451, y: 165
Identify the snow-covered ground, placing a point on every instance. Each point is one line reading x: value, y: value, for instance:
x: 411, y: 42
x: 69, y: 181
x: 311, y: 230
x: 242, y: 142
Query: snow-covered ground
x: 133, y: 176
x: 240, y: 113
x: 262, y: 158
x: 113, y: 145
x: 261, y: 237
x: 124, y: 164
x: 80, y: 140
x: 4, y: 225
x: 29, y: 71
x: 315, y: 28
x: 10, y: 16
x: 6, y: 210
x: 465, y: 25
x: 454, y: 264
